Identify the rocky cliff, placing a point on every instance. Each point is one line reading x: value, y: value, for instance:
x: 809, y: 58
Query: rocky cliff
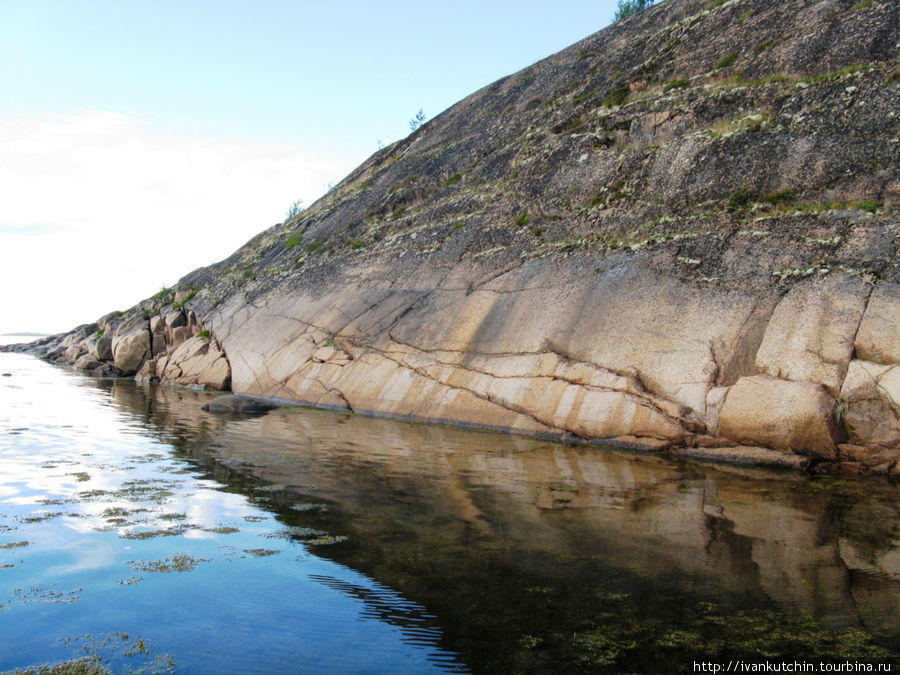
x: 680, y: 232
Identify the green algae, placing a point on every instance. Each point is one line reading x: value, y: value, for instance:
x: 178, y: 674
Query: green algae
x: 295, y: 532
x: 180, y: 562
x: 39, y: 517
x: 310, y: 506
x: 261, y: 552
x: 173, y: 516
x: 14, y: 544
x: 222, y: 529
x: 87, y: 665
x: 38, y: 594
x: 152, y: 534
x: 130, y: 581
x: 103, y: 655
x: 116, y: 512
x: 147, y: 490
x: 621, y: 638
x: 327, y: 540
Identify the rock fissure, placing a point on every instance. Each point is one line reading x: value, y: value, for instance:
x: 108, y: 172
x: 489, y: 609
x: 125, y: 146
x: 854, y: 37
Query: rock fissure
x: 859, y: 323
x: 337, y: 392
x: 478, y: 394
x: 550, y: 351
x: 536, y: 381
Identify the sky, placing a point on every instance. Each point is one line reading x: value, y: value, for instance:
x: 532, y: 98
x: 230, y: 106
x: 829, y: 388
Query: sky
x: 141, y: 140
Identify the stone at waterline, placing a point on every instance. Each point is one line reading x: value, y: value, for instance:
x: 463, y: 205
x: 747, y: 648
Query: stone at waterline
x: 103, y: 348
x: 793, y: 416
x: 131, y: 345
x: 87, y: 362
x: 241, y: 404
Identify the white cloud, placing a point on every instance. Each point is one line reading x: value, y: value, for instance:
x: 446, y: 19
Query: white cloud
x: 99, y: 211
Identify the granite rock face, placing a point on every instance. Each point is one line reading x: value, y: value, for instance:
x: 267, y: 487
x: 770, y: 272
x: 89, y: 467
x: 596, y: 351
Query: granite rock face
x: 680, y: 232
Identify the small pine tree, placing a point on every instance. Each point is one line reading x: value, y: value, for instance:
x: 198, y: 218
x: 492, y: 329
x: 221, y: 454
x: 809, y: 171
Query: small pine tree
x: 629, y: 7
x: 417, y: 121
x: 295, y: 210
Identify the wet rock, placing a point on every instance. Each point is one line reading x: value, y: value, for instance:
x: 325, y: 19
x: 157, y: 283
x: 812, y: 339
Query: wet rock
x: 239, y: 404
x: 748, y: 455
x: 87, y: 362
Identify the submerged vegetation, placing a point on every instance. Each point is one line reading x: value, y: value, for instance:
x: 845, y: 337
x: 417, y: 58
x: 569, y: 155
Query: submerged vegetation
x: 620, y: 640
x: 105, y: 655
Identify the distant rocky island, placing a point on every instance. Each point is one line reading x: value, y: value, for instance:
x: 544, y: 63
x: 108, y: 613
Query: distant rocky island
x: 680, y: 233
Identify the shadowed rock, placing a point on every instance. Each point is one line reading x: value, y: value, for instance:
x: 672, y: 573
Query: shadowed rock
x: 238, y: 404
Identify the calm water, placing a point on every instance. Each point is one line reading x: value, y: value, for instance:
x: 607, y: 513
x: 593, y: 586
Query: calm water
x: 140, y: 531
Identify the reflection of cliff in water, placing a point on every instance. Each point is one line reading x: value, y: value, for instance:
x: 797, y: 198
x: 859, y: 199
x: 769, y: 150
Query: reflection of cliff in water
x: 429, y: 508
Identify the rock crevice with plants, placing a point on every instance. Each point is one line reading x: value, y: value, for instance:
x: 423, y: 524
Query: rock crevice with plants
x: 678, y: 233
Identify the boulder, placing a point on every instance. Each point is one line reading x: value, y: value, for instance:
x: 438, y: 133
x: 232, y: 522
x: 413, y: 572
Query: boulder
x: 87, y: 362
x: 238, y: 404
x: 199, y: 362
x: 871, y: 395
x: 780, y: 414
x: 878, y: 338
x: 330, y: 355
x: 179, y: 335
x: 171, y: 321
x: 217, y: 375
x: 810, y: 335
x: 130, y: 351
x: 103, y: 348
x: 131, y: 345
x: 147, y: 373
x: 72, y: 353
x: 158, y: 345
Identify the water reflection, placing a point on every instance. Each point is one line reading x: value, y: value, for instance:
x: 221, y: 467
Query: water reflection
x: 109, y: 536
x: 509, y: 541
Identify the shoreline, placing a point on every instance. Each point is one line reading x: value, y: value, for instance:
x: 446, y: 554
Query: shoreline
x: 724, y: 454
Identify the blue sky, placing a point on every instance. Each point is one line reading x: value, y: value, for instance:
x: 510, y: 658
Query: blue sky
x: 140, y: 140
